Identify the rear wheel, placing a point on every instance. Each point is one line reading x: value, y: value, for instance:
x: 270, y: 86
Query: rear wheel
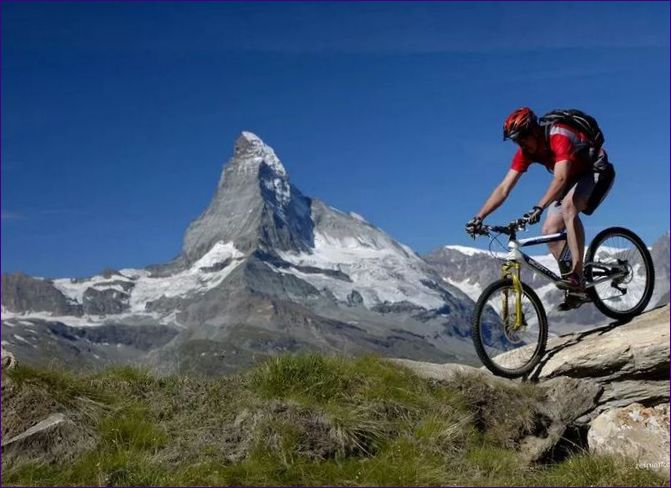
x: 618, y: 251
x: 507, y: 350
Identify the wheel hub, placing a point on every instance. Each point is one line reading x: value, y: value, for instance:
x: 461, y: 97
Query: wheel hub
x: 512, y: 333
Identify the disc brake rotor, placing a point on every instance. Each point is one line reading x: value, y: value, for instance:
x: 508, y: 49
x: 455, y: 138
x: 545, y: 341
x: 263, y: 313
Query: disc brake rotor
x: 511, y: 332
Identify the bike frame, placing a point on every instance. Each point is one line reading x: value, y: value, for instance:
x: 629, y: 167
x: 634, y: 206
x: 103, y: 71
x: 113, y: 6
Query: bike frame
x: 515, y: 258
x: 515, y: 254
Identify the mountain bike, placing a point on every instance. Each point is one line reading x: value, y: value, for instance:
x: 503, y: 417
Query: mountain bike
x: 510, y: 326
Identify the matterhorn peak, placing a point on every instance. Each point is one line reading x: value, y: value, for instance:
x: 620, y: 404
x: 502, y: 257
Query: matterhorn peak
x: 250, y: 150
x: 254, y: 206
x: 247, y: 142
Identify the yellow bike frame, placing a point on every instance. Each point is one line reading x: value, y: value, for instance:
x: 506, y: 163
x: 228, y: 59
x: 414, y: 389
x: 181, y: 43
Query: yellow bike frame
x: 511, y: 269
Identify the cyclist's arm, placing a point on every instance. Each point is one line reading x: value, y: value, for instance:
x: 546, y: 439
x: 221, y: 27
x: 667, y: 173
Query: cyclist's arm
x: 500, y: 193
x: 554, y: 191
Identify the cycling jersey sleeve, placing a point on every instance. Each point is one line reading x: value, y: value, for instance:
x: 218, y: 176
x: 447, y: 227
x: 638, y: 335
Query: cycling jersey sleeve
x: 520, y: 162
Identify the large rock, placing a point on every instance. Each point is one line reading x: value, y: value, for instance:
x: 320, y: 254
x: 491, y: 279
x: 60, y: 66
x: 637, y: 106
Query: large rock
x: 585, y: 374
x: 633, y: 431
x: 630, y: 362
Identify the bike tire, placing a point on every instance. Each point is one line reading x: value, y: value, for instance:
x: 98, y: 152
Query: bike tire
x: 649, y: 268
x: 477, y: 337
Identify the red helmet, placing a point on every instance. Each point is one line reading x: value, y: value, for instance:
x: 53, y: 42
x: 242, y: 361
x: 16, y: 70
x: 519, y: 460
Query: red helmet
x: 518, y: 123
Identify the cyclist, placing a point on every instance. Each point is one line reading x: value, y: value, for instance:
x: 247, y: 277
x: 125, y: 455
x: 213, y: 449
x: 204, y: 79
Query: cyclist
x: 576, y: 186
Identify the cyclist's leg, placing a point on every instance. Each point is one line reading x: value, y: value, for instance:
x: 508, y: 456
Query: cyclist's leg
x: 554, y: 222
x: 573, y: 203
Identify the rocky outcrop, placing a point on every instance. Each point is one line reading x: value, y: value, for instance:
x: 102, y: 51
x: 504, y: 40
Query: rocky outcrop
x: 22, y: 293
x: 634, y: 431
x: 592, y: 375
x: 563, y: 401
x: 54, y: 344
x: 630, y: 362
x: 103, y: 302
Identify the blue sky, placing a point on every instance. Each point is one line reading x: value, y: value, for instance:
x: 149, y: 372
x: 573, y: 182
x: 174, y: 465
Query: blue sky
x: 117, y: 118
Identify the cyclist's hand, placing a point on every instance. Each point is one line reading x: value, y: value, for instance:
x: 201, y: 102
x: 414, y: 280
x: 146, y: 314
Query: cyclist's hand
x: 474, y: 226
x: 533, y: 215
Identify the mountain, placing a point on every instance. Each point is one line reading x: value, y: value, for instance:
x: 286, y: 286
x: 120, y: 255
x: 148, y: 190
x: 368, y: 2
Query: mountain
x: 471, y: 270
x: 263, y: 269
x: 313, y: 420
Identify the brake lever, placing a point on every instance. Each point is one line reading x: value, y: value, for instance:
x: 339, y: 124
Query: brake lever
x: 521, y: 225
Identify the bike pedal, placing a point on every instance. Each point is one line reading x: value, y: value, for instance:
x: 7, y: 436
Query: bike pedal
x: 573, y: 300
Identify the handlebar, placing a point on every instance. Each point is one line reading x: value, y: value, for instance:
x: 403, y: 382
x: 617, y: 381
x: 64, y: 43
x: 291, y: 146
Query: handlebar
x: 511, y: 229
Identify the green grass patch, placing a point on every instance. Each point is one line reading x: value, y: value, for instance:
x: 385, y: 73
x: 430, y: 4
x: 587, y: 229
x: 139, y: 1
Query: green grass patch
x: 300, y: 420
x: 590, y: 470
x: 63, y: 386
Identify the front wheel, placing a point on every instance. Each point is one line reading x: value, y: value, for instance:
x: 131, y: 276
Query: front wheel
x: 505, y: 347
x: 619, y: 252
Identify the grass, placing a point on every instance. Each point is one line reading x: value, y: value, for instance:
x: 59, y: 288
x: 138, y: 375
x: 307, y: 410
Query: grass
x: 294, y: 420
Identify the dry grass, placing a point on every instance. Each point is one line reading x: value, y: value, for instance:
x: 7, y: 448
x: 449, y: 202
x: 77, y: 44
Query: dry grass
x: 294, y: 420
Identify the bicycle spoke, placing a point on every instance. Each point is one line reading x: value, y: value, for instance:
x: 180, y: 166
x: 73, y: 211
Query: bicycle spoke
x: 618, y: 250
x: 508, y: 346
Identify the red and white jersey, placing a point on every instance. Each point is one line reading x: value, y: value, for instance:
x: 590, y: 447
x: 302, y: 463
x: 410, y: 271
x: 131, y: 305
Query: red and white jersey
x: 565, y: 144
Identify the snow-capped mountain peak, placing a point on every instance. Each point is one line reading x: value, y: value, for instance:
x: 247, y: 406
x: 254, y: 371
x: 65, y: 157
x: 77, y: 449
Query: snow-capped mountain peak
x: 265, y: 268
x: 468, y: 251
x: 254, y: 206
x: 250, y: 150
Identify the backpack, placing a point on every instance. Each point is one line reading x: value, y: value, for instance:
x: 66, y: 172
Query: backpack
x: 576, y: 120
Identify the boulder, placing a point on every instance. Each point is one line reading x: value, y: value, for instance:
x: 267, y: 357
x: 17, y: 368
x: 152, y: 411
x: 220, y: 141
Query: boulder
x: 592, y: 375
x: 634, y: 431
x: 630, y: 362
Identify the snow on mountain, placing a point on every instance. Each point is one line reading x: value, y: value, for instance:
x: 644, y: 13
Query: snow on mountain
x: 378, y: 273
x: 139, y: 287
x: 254, y: 206
x: 263, y: 269
x: 468, y: 251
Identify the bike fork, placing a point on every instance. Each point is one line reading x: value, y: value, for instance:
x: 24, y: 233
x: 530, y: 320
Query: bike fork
x: 512, y: 269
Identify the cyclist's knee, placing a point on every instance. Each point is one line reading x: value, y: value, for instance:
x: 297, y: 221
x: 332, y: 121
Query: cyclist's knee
x: 569, y: 209
x: 551, y: 226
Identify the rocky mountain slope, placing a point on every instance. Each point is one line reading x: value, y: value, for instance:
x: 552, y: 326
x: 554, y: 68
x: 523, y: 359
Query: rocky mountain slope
x: 263, y: 269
